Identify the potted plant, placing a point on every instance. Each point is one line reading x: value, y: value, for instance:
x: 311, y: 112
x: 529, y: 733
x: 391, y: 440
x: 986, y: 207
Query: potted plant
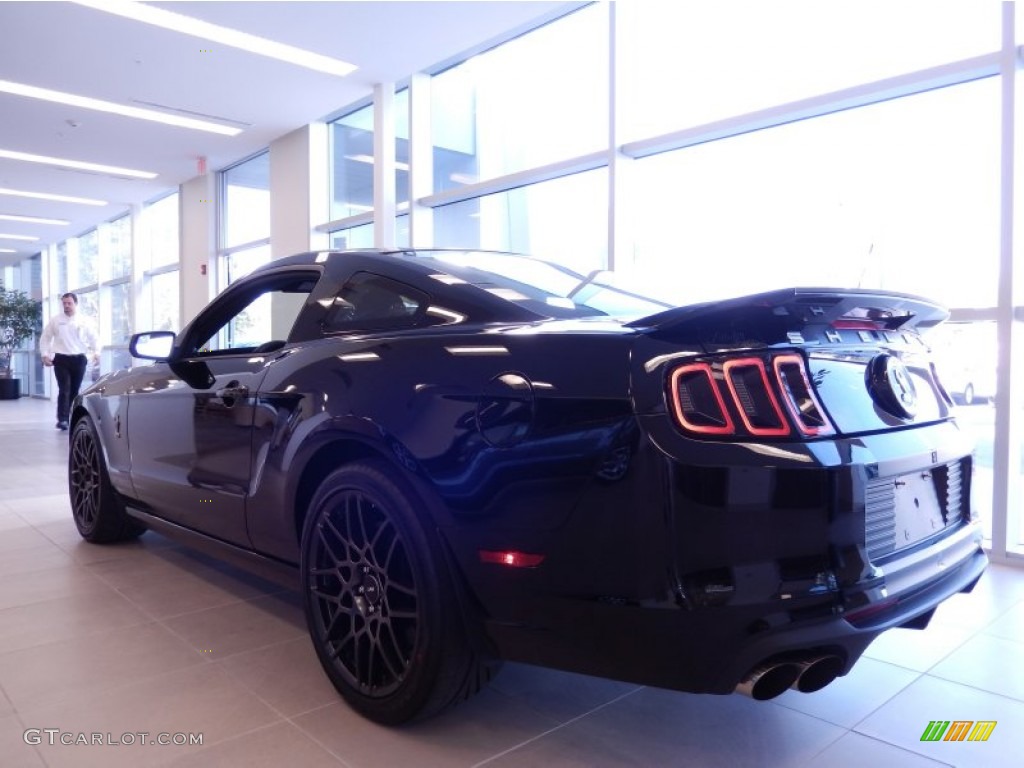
x: 20, y: 316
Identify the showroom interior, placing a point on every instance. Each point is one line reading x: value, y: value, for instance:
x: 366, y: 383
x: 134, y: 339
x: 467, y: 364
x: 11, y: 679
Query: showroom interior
x: 698, y: 151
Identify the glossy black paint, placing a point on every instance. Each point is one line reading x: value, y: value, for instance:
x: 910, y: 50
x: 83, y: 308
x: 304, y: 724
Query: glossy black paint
x: 669, y: 559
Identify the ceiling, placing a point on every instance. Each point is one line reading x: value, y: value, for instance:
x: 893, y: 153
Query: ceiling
x: 67, y: 47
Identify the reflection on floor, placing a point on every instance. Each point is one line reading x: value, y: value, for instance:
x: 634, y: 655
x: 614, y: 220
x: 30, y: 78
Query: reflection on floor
x: 147, y: 638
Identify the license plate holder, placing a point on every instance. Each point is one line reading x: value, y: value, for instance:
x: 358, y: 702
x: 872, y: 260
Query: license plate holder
x: 918, y: 511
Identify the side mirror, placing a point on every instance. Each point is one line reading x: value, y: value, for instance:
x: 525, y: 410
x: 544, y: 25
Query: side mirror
x: 154, y: 345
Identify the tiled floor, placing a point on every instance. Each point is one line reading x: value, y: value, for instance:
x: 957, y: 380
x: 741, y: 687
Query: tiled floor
x: 149, y: 638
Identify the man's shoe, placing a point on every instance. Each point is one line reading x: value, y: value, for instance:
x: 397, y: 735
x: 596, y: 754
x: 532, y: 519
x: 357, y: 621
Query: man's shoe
x: 62, y: 425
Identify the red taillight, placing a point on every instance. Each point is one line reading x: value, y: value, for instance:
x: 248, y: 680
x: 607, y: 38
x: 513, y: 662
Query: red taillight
x: 752, y: 392
x: 799, y: 396
x: 698, y: 404
x: 705, y: 396
x: 511, y: 558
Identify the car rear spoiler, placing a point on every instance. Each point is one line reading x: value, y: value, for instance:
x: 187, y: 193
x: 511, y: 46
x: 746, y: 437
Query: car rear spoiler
x: 774, y: 316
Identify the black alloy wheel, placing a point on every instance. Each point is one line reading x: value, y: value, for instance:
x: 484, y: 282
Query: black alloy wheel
x: 382, y: 611
x: 97, y: 509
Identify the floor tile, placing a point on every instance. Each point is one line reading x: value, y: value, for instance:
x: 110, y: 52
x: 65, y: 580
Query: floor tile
x: 163, y: 584
x: 996, y: 593
x: 240, y: 626
x: 6, y: 708
x: 1010, y: 625
x: 37, y: 510
x: 917, y: 649
x: 91, y: 663
x: 993, y: 664
x: 556, y: 694
x: 34, y: 586
x: 903, y: 720
x: 18, y: 749
x: 856, y: 751
x: 270, y: 747
x: 197, y: 703
x: 48, y: 621
x: 473, y: 731
x: 287, y: 676
x: 656, y: 727
x: 850, y: 699
x: 11, y: 521
x: 24, y: 540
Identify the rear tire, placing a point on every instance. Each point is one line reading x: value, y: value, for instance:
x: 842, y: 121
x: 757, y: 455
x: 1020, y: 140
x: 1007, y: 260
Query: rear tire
x: 96, y: 507
x: 382, y: 608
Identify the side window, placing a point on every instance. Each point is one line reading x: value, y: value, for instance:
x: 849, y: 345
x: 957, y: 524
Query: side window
x: 256, y: 317
x: 370, y: 302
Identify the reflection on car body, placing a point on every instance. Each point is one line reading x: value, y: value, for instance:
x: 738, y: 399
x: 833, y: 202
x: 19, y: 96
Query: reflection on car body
x: 463, y: 457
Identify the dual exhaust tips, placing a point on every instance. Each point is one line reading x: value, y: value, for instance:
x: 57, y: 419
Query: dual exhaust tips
x: 808, y: 675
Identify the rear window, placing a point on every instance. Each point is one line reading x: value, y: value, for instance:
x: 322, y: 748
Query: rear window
x: 540, y: 286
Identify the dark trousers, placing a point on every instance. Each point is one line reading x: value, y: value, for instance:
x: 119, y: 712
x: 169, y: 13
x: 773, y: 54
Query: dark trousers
x: 69, y: 370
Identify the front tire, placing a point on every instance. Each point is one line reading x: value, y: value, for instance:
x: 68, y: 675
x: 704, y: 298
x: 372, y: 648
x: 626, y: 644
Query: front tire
x: 381, y: 606
x: 97, y: 509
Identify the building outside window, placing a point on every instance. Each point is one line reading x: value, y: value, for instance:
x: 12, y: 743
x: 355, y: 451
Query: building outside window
x: 83, y: 271
x: 116, y: 292
x: 245, y: 217
x: 523, y: 104
x: 563, y: 220
x: 688, y: 64
x: 159, y: 221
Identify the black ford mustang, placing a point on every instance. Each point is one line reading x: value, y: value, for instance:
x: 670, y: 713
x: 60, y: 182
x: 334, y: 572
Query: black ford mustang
x: 463, y: 457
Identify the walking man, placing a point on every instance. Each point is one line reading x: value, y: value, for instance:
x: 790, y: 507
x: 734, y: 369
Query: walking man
x: 64, y: 344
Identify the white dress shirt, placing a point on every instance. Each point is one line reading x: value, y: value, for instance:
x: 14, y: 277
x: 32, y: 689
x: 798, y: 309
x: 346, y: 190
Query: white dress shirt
x: 65, y: 335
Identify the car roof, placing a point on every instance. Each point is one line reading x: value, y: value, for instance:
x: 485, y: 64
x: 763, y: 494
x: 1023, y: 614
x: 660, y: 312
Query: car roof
x: 491, y: 285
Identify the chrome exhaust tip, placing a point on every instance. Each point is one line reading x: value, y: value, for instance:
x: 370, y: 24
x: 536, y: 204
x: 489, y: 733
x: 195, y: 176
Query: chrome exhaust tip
x: 815, y: 674
x: 769, y: 681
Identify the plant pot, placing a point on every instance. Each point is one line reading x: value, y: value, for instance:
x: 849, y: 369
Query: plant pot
x: 10, y: 389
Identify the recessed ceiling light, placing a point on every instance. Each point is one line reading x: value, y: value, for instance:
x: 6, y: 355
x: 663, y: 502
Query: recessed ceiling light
x: 224, y: 35
x: 7, y: 250
x: 76, y: 164
x: 18, y: 237
x: 51, y: 196
x: 60, y: 97
x: 33, y: 219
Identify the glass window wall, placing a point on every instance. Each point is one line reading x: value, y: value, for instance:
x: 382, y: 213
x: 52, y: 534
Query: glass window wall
x: 869, y: 198
x: 119, y: 245
x: 352, y: 161
x: 537, y: 99
x: 246, y: 202
x: 160, y: 223
x: 686, y: 64
x: 564, y: 220
x: 84, y: 268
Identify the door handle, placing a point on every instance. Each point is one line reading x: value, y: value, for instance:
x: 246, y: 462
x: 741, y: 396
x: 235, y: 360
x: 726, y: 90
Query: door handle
x: 231, y: 392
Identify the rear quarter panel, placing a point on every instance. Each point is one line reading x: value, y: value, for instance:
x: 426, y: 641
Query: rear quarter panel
x: 505, y: 428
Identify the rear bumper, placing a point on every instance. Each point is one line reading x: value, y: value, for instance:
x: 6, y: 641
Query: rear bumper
x: 904, y: 593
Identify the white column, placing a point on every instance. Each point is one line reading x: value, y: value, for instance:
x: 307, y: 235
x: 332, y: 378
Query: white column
x: 421, y: 162
x: 141, y: 300
x: 1006, y: 456
x: 197, y: 216
x: 384, y: 165
x: 298, y: 191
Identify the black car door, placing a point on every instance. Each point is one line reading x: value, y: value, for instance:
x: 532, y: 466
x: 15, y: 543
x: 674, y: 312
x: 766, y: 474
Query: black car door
x: 190, y: 426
